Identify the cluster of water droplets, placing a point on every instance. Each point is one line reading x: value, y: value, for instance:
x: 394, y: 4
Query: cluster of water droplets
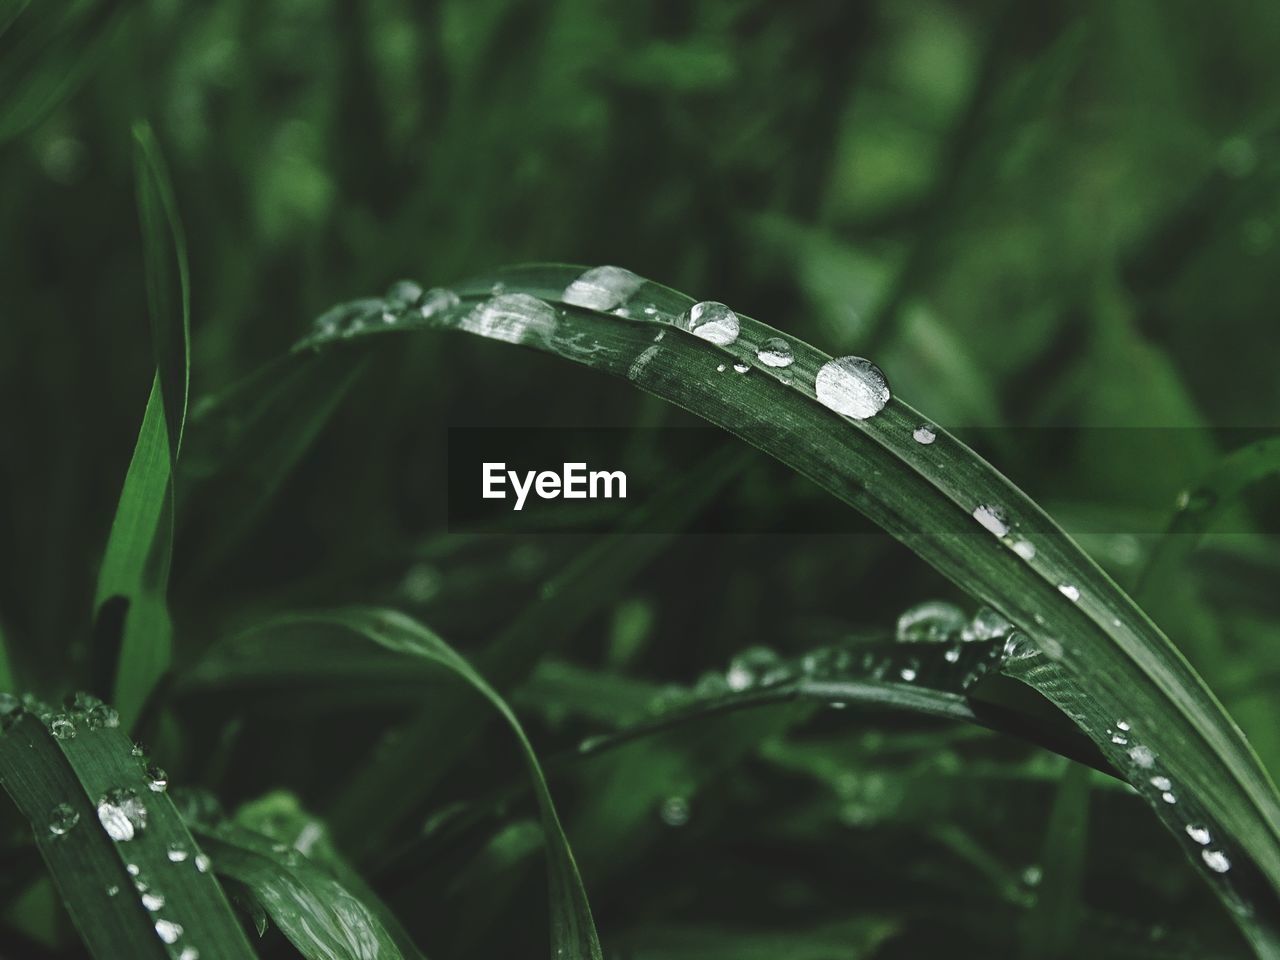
x: 404, y: 302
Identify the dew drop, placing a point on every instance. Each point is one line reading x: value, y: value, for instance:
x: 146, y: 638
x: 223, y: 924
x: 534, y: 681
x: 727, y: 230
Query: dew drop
x: 436, y: 300
x: 908, y: 673
x: 62, y: 728
x: 1168, y: 797
x: 189, y: 953
x: 1162, y: 783
x: 602, y: 288
x: 1070, y: 591
x: 168, y: 930
x: 852, y: 386
x: 953, y: 654
x: 153, y: 901
x: 61, y: 819
x: 1198, y: 833
x: 512, y: 317
x: 933, y: 620
x: 713, y: 321
x: 1215, y: 860
x: 202, y: 863
x: 721, y: 368
x: 1124, y: 725
x: 750, y: 667
x: 674, y: 811
x: 775, y: 352
x: 122, y: 814
x: 741, y: 367
x: 987, y: 624
x: 132, y: 869
x: 992, y: 517
x: 113, y: 890
x: 1025, y: 549
x: 1143, y: 756
x: 1032, y: 875
x: 924, y: 434
x: 177, y: 853
x: 157, y: 779
x: 403, y: 293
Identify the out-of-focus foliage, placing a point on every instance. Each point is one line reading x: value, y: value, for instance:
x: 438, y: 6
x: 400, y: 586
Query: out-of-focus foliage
x: 1055, y: 221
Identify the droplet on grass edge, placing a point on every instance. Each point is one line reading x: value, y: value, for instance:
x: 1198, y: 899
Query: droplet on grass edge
x: 853, y: 386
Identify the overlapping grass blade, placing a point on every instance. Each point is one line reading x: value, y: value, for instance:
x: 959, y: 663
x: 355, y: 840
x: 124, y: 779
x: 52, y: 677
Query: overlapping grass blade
x: 130, y: 601
x: 930, y: 496
x: 313, y: 909
x: 134, y: 881
x: 572, y: 929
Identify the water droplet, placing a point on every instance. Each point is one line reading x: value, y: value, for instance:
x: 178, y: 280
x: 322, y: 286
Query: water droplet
x: 741, y: 367
x: 421, y: 583
x: 602, y: 288
x: 953, y: 654
x: 909, y: 673
x: 987, y: 624
x: 775, y: 352
x: 924, y: 434
x: 1025, y: 549
x: 1123, y: 725
x: 1143, y: 756
x: 153, y: 901
x: 177, y: 853
x: 1168, y: 797
x: 513, y: 317
x: 750, y: 667
x: 1215, y: 860
x: 202, y: 863
x: 721, y: 368
x: 1119, y: 738
x: 113, y: 890
x: 1051, y: 647
x: 61, y: 819
x: 933, y: 620
x: 1032, y: 875
x: 437, y: 299
x: 189, y: 953
x: 992, y: 517
x: 132, y: 869
x: 122, y: 814
x: 852, y: 386
x: 1199, y: 834
x: 157, y: 779
x: 403, y: 293
x: 674, y: 811
x: 168, y: 930
x: 1070, y: 591
x: 713, y: 321
x: 136, y: 750
x: 1161, y: 783
x: 62, y: 728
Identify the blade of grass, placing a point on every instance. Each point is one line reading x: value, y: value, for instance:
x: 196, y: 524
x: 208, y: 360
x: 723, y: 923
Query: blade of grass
x: 572, y: 929
x: 8, y: 682
x: 1051, y: 924
x: 145, y: 893
x: 133, y: 626
x: 930, y: 496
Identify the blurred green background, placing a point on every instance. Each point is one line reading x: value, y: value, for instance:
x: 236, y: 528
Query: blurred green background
x: 1058, y: 216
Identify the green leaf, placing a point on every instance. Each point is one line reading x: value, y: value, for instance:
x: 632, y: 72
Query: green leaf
x: 1051, y: 924
x: 8, y: 683
x: 130, y: 601
x: 146, y: 893
x: 273, y: 648
x: 317, y: 913
x: 852, y: 940
x: 929, y: 496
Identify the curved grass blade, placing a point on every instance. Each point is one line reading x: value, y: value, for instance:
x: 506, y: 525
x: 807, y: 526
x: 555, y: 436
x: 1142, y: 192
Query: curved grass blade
x: 130, y: 875
x: 1217, y: 492
x: 316, y: 912
x: 572, y: 929
x: 130, y: 601
x: 8, y: 682
x: 939, y: 498
x: 1051, y: 924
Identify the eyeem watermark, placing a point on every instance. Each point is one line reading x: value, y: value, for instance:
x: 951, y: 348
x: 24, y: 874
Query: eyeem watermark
x: 573, y: 482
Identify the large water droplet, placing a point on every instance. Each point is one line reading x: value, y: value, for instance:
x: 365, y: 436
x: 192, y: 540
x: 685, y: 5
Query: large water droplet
x: 1199, y: 834
x: 61, y: 819
x: 122, y: 814
x: 775, y: 352
x: 62, y: 728
x: 168, y: 930
x: 933, y: 620
x: 602, y: 288
x: 993, y: 517
x: 852, y: 386
x: 403, y: 294
x: 924, y: 434
x: 1215, y: 860
x: 713, y: 321
x: 513, y: 317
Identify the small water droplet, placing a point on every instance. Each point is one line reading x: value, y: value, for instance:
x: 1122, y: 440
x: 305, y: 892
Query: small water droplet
x: 674, y: 811
x: 713, y: 321
x: 62, y: 728
x: 1168, y: 797
x: 113, y: 890
x: 992, y: 516
x: 1199, y: 834
x: 157, y: 779
x: 132, y: 869
x: 1051, y: 647
x: 1032, y: 875
x: 1215, y: 860
x: 987, y: 624
x: 741, y: 367
x: 932, y: 620
x: 1070, y: 591
x: 122, y: 814
x: 852, y: 386
x: 202, y: 863
x: 403, y: 293
x: 168, y: 930
x: 1161, y: 783
x: 721, y: 368
x: 189, y: 953
x: 436, y: 300
x: 1123, y: 725
x: 602, y: 288
x: 512, y: 317
x: 1119, y: 738
x: 61, y: 819
x: 153, y: 901
x: 775, y: 352
x: 177, y: 853
x: 750, y: 667
x: 1025, y: 549
x: 924, y: 434
x: 953, y: 654
x: 1143, y: 756
x: 908, y: 673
